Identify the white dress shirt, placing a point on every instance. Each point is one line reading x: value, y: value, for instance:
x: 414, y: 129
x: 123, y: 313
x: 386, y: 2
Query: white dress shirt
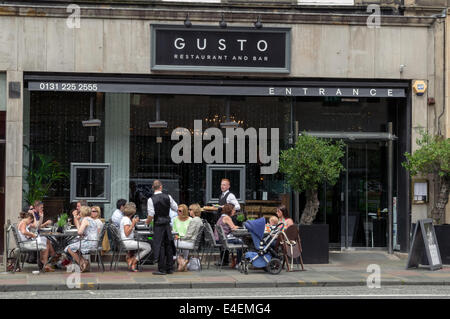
x: 117, y: 217
x: 151, y: 209
x: 231, y: 199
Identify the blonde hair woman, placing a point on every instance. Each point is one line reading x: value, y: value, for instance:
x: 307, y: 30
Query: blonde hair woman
x: 95, y: 215
x: 188, y: 240
x: 87, y: 231
x: 181, y: 222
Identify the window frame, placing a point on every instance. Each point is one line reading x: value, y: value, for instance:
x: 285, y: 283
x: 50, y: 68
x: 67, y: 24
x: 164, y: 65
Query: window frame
x: 210, y: 168
x: 106, y: 182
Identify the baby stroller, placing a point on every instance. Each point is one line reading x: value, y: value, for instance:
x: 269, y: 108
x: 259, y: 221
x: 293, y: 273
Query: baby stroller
x: 263, y: 254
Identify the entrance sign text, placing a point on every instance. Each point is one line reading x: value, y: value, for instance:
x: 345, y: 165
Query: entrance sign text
x: 216, y: 89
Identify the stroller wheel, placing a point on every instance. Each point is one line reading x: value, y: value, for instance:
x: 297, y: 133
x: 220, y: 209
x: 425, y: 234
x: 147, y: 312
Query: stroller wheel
x: 274, y: 266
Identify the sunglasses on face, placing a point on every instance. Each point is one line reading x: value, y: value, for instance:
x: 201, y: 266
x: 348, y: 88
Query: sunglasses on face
x: 180, y: 211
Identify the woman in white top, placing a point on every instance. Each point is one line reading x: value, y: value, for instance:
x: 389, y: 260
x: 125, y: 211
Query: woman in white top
x: 95, y: 215
x: 127, y: 235
x: 30, y: 239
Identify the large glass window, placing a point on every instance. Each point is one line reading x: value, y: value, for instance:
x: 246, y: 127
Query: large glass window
x: 150, y: 148
x: 53, y: 127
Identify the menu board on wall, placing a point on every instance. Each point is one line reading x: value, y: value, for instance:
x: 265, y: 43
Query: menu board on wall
x: 424, y: 241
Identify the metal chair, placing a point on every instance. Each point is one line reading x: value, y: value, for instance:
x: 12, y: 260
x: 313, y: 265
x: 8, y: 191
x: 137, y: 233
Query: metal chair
x: 116, y: 242
x: 293, y: 247
x: 197, y: 243
x: 23, y: 250
x: 210, y: 242
x: 226, y: 245
x: 99, y: 247
x: 119, y: 243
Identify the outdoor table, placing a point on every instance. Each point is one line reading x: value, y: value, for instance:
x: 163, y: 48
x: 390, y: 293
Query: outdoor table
x: 210, y: 214
x: 244, y: 235
x: 60, y: 240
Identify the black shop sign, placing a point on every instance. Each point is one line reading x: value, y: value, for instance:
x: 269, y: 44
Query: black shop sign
x: 208, y: 48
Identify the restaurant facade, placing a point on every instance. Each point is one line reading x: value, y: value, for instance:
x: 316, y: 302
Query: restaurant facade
x: 189, y: 93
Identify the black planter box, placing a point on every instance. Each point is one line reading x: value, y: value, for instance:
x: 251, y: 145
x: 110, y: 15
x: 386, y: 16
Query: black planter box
x: 314, y: 240
x: 443, y: 239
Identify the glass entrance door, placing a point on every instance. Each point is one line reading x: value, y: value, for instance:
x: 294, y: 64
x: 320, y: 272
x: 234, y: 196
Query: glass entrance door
x: 356, y: 207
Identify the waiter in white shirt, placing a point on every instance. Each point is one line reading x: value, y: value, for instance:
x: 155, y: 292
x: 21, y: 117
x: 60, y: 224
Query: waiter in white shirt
x: 227, y: 197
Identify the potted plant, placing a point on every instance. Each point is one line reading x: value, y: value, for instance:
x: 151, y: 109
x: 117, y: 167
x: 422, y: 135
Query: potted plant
x: 42, y: 173
x: 309, y: 164
x: 62, y: 222
x: 433, y: 158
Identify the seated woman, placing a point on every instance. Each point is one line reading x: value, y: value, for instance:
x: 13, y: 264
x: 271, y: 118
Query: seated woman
x: 30, y: 239
x: 87, y: 230
x: 228, y: 226
x: 95, y: 215
x: 127, y: 235
x: 181, y: 222
x: 187, y: 241
x: 283, y: 217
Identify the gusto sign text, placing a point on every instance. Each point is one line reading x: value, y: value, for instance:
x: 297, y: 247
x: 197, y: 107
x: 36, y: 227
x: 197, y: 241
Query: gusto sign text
x: 202, y: 44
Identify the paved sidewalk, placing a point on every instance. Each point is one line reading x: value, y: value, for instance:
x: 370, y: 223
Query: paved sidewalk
x: 344, y: 269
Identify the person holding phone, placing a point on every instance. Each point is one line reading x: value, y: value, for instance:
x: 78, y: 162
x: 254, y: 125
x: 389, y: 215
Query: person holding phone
x: 127, y: 224
x: 38, y: 213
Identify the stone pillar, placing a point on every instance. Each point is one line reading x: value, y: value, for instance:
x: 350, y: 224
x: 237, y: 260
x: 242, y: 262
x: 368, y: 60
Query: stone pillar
x: 14, y: 146
x: 117, y: 146
x: 419, y: 120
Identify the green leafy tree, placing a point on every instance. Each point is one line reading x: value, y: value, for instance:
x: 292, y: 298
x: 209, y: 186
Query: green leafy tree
x: 310, y: 163
x: 43, y: 172
x: 432, y: 157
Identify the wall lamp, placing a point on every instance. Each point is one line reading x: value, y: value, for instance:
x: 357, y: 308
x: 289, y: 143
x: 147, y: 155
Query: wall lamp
x: 258, y: 23
x: 222, y: 22
x: 187, y: 22
x: 158, y: 123
x: 91, y: 122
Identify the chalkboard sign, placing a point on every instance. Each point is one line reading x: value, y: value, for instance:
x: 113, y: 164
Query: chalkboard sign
x: 424, y: 240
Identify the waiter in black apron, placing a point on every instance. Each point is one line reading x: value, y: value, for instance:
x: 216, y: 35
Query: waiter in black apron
x: 227, y: 197
x: 158, y: 206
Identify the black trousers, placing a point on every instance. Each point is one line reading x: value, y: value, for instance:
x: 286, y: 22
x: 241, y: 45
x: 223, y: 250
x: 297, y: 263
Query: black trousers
x: 164, y: 247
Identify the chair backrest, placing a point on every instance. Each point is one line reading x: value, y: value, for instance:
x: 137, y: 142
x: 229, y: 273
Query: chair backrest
x: 101, y: 235
x: 222, y: 237
x: 198, y: 239
x: 15, y: 232
x: 209, y: 234
x: 293, y: 234
x: 115, y: 235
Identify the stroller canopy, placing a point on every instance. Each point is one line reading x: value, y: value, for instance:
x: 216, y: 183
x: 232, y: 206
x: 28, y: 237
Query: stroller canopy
x: 256, y: 229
